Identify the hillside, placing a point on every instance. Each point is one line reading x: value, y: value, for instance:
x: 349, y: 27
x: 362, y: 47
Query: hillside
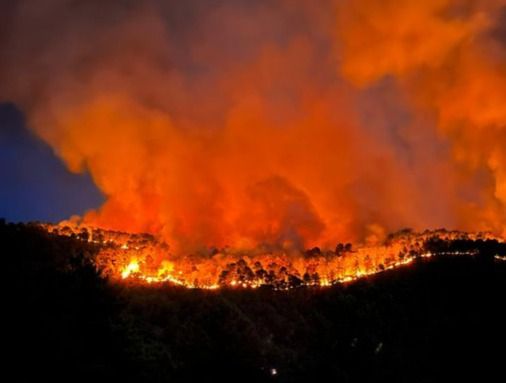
x: 433, y: 320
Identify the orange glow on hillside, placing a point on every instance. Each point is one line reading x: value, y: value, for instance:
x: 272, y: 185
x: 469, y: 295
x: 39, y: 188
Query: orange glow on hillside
x: 141, y: 258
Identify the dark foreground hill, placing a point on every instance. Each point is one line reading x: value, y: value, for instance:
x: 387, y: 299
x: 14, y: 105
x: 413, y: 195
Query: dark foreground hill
x: 435, y: 320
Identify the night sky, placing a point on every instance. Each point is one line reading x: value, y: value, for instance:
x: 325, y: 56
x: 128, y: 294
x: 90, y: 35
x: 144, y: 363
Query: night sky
x: 35, y: 184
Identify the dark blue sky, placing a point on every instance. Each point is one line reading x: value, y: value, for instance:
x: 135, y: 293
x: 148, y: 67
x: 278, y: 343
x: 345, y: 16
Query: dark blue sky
x: 34, y: 183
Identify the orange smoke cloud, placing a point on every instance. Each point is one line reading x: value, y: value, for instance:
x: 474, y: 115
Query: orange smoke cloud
x: 449, y: 57
x: 243, y: 123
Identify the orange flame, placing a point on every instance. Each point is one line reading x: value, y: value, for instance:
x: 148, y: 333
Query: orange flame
x: 143, y: 259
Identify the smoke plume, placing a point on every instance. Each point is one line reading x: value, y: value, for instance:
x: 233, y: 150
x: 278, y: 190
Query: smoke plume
x: 295, y: 123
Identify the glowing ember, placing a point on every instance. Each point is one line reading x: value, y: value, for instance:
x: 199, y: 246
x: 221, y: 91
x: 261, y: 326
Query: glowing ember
x: 132, y: 267
x: 141, y: 258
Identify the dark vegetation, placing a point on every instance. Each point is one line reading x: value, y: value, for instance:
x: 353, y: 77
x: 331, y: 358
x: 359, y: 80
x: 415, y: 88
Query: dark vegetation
x: 436, y: 320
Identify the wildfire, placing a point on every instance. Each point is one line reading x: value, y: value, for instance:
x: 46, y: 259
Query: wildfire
x: 132, y: 267
x: 327, y: 119
x: 142, y: 258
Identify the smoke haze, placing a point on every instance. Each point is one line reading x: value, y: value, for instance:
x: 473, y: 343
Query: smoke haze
x: 284, y: 122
